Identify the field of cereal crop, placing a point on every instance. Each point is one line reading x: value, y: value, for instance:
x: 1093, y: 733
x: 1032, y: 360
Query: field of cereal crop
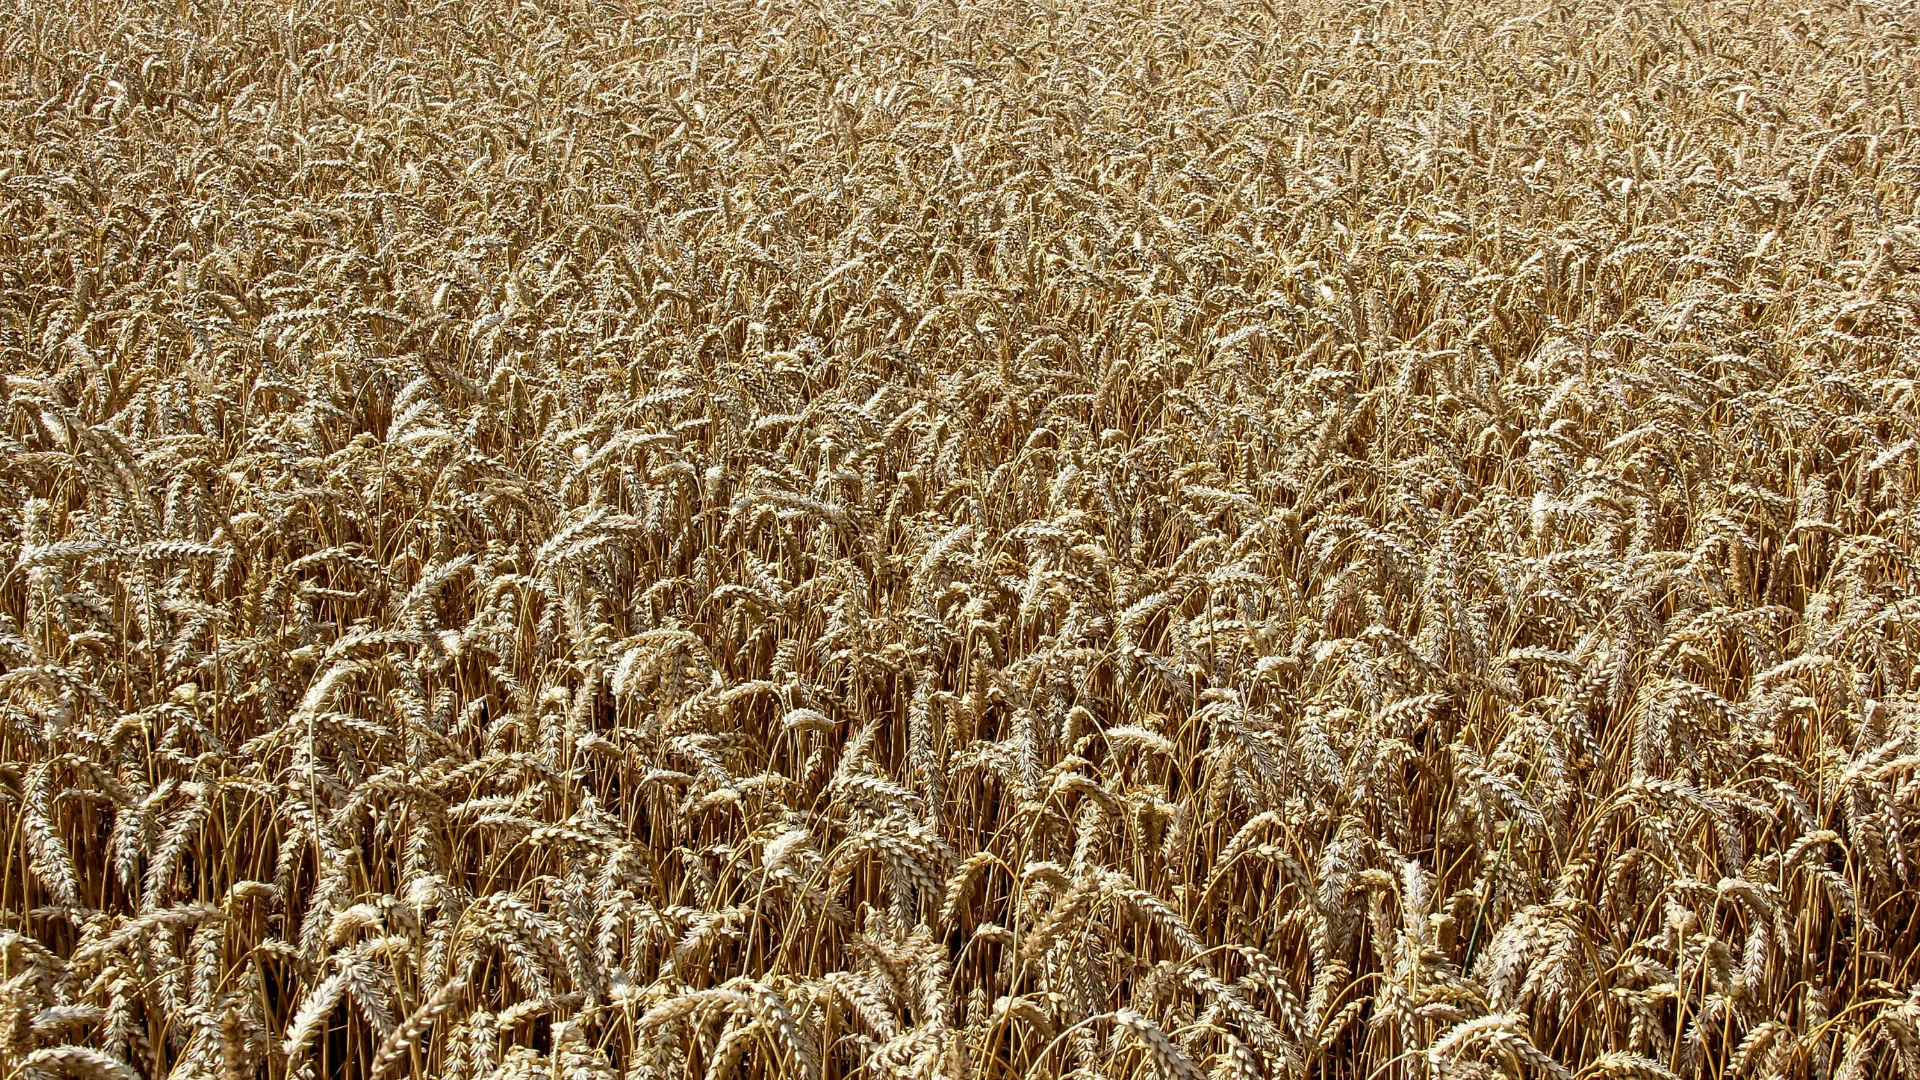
x: 974, y: 539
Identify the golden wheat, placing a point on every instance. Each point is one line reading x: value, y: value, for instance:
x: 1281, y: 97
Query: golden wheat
x: 943, y: 538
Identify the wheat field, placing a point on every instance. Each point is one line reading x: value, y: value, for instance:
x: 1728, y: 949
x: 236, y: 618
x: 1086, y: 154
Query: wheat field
x: 976, y: 539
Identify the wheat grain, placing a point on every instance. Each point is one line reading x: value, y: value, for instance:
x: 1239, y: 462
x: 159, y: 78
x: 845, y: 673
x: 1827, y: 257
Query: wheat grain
x: 959, y: 539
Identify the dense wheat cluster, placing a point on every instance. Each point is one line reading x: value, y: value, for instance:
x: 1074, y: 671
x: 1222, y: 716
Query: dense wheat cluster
x: 1008, y: 539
